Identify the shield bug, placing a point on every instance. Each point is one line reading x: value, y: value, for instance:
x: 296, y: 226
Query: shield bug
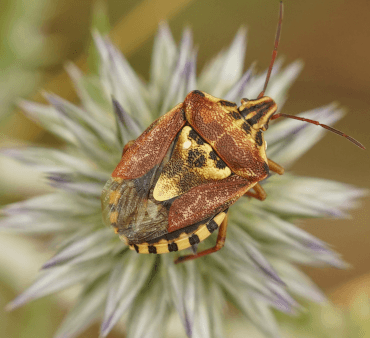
x: 175, y: 182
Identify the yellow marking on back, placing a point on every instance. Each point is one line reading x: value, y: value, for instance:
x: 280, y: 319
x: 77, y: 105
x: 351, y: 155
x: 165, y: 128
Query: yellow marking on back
x: 113, y: 217
x: 118, y: 179
x: 239, y: 123
x: 182, y: 241
x: 114, y: 197
x: 190, y: 165
x: 186, y: 144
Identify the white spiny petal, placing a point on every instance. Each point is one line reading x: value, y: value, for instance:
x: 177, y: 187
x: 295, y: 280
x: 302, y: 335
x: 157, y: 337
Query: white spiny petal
x: 87, y: 310
x: 298, y: 283
x: 282, y: 81
x: 80, y: 247
x: 236, y: 92
x: 60, y: 278
x: 177, y: 83
x: 232, y: 67
x: 202, y: 325
x: 123, y: 288
x: 257, y: 82
x: 146, y: 323
x: 182, y: 289
x: 303, y: 137
x: 163, y: 63
x: 89, y: 100
x: 47, y: 117
x: 225, y: 69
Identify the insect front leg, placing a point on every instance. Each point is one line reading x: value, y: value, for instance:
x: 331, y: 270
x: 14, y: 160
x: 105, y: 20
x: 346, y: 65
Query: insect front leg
x: 221, y: 238
x: 273, y: 166
x: 259, y: 193
x: 127, y: 146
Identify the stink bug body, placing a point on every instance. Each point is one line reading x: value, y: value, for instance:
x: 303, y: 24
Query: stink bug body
x: 175, y: 182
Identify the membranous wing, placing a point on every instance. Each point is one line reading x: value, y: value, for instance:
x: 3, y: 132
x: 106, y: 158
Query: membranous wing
x: 129, y: 207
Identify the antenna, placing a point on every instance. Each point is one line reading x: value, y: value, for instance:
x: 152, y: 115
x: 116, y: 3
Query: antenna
x: 336, y: 131
x: 274, y: 53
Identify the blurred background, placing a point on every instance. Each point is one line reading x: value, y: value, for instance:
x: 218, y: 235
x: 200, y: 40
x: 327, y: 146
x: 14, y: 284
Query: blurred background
x: 331, y: 37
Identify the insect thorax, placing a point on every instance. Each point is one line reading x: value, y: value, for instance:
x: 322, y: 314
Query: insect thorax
x: 233, y: 138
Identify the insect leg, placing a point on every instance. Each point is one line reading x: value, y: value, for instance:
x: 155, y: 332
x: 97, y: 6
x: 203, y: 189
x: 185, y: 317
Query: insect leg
x: 273, y: 166
x: 127, y: 145
x: 259, y: 193
x: 221, y: 237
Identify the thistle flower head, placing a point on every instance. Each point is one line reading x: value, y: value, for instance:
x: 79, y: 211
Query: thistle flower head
x: 256, y: 270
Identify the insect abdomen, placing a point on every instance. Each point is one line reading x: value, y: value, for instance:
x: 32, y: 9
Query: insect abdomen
x: 183, y: 241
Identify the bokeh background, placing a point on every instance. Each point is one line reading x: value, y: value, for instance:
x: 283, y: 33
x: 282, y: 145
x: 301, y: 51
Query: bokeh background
x: 332, y: 38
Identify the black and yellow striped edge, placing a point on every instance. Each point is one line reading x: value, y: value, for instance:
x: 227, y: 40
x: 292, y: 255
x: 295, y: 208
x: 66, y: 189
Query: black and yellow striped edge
x: 182, y: 242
